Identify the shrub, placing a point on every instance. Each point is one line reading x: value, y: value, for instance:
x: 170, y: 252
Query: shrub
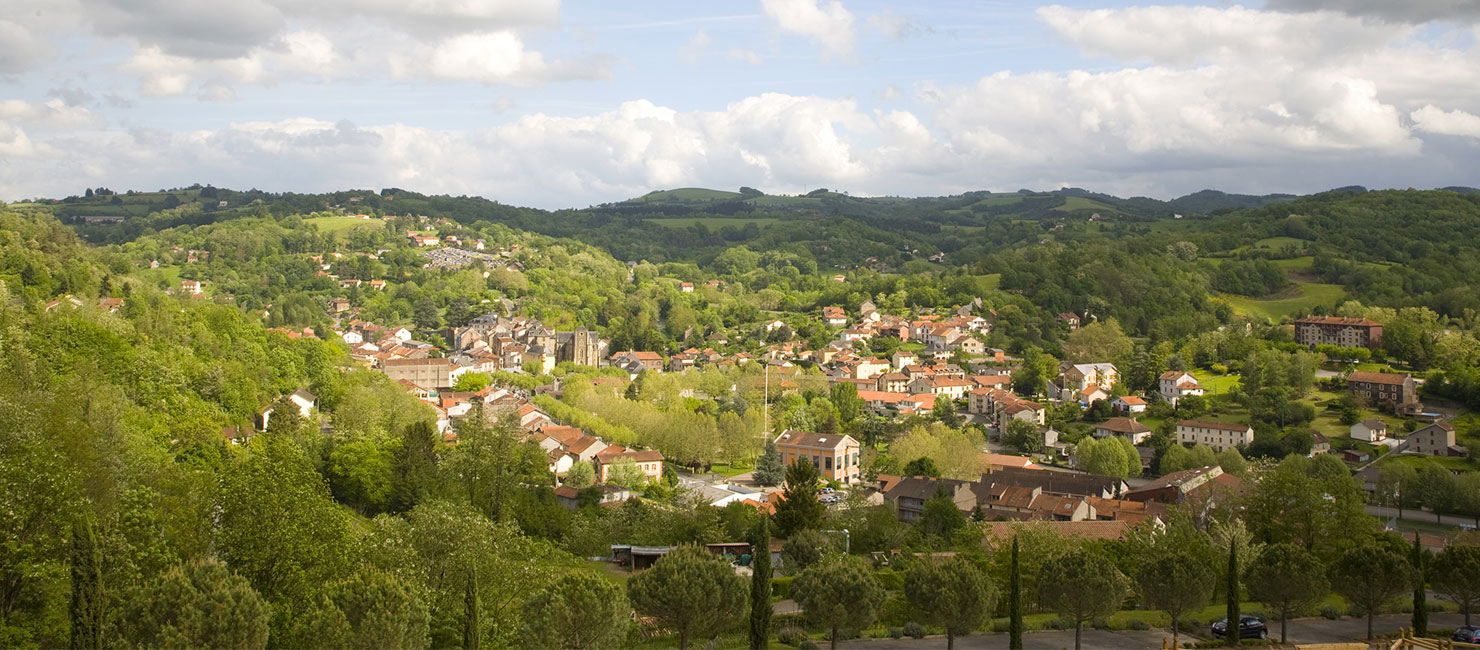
x: 807, y: 645
x: 1058, y: 624
x: 1137, y: 624
x: 1100, y: 624
x: 781, y: 588
x: 896, y: 632
x: 1001, y: 626
x: 890, y: 579
x: 1190, y: 623
x: 914, y: 630
x: 1357, y: 611
x: 791, y: 635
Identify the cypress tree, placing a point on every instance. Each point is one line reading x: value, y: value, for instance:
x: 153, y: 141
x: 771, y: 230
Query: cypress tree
x: 760, y: 586
x: 1015, y: 602
x: 87, y: 588
x: 1232, y: 632
x: 470, y: 615
x: 1420, y: 589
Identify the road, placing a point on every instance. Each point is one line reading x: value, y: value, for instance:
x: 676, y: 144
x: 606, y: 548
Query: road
x: 1305, y: 630
x: 1414, y: 514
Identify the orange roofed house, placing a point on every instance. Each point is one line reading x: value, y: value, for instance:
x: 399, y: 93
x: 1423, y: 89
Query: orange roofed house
x: 834, y: 455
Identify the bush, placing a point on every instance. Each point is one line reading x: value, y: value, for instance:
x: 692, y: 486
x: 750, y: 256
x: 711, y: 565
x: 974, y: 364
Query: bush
x: 1058, y: 624
x: 1001, y: 626
x: 1330, y: 612
x: 1190, y: 623
x: 791, y: 635
x: 896, y: 633
x: 1137, y: 624
x: 781, y: 588
x: 1100, y: 624
x: 808, y: 645
x: 914, y: 630
x: 1357, y: 611
x: 890, y: 579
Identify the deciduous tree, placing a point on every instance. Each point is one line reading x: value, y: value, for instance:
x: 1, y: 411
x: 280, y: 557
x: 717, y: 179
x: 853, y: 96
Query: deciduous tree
x: 1081, y: 586
x: 579, y: 612
x: 1287, y: 579
x: 1457, y: 576
x: 1177, y: 581
x: 691, y: 592
x: 1369, y: 576
x: 950, y: 593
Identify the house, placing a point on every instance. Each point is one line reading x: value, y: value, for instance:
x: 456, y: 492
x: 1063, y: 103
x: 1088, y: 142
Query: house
x: 1436, y: 439
x: 1079, y: 376
x: 950, y: 387
x: 426, y: 373
x: 907, y: 497
x: 191, y: 287
x: 1337, y: 330
x: 1398, y: 392
x: 1319, y: 444
x: 637, y: 360
x: 996, y: 533
x: 1217, y: 435
x: 902, y: 358
x: 338, y: 305
x: 1128, y: 405
x: 834, y: 316
x: 1176, y: 384
x: 650, y: 462
x: 570, y: 497
x: 1069, y: 319
x: 686, y: 287
x: 1123, y: 428
x: 1369, y: 430
x: 304, y: 400
x: 1199, y: 482
x: 835, y: 456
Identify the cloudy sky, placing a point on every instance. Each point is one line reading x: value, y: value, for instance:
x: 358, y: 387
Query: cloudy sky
x: 556, y: 104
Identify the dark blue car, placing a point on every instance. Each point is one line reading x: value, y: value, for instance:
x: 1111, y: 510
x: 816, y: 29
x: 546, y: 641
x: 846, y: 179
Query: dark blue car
x: 1249, y: 627
x: 1467, y: 634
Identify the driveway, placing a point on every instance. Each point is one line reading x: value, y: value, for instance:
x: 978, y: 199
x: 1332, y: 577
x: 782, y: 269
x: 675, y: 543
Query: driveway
x: 1305, y: 630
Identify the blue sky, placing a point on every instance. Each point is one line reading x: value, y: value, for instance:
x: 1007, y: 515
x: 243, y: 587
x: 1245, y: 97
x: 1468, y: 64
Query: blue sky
x: 555, y: 104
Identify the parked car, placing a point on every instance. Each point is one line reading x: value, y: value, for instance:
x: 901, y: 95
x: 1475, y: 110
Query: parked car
x: 1249, y: 627
x: 1467, y: 634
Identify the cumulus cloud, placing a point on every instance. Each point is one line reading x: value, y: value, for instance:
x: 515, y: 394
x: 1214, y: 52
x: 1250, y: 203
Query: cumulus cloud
x: 744, y: 56
x: 492, y: 58
x: 1407, y: 11
x: 54, y: 114
x: 206, y: 30
x: 829, y: 25
x: 1432, y: 119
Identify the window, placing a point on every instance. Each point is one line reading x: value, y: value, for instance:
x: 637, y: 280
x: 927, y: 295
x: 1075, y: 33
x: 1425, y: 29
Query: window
x: 828, y: 462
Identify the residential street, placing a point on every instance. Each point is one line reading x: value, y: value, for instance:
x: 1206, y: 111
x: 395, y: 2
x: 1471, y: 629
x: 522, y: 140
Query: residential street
x: 1414, y: 514
x: 1305, y: 630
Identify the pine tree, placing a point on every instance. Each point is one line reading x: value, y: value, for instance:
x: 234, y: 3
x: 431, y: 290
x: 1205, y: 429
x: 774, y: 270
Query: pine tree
x: 470, y: 615
x: 1015, y: 602
x: 760, y: 586
x: 1232, y: 631
x: 769, y: 470
x: 87, y: 588
x: 1420, y: 588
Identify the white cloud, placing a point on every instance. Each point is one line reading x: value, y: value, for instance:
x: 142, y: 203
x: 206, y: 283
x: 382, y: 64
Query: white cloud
x: 1432, y: 119
x: 1184, y: 35
x: 744, y: 56
x: 52, y: 114
x: 691, y: 51
x: 829, y: 25
x: 492, y: 58
x: 1409, y: 11
x: 895, y: 25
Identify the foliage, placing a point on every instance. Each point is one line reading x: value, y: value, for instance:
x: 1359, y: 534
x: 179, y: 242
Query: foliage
x: 838, y: 594
x: 198, y: 604
x: 579, y: 612
x: 799, y: 508
x: 951, y: 593
x: 1081, y: 586
x: 1177, y: 581
x: 1457, y: 576
x: 1368, y: 576
x: 369, y: 609
x: 691, y: 592
x: 805, y: 548
x: 769, y: 469
x: 760, y: 585
x: 1288, y: 579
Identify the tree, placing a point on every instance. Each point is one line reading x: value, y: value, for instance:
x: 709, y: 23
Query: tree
x: 580, y: 612
x: 1395, y: 483
x: 1457, y: 576
x: 952, y: 594
x: 839, y: 593
x: 370, y: 609
x: 1023, y: 435
x: 922, y: 466
x: 1419, y: 565
x: 945, y: 412
x: 472, y: 628
x: 472, y: 382
x: 844, y: 396
x: 1081, y: 586
x: 1287, y: 579
x: 200, y: 604
x: 1014, y: 601
x: 1435, y: 488
x: 1234, y: 619
x: 799, y: 507
x: 1099, y: 342
x: 580, y: 475
x: 1177, y: 581
x: 940, y: 517
x: 769, y: 470
x: 88, y: 600
x: 690, y: 591
x: 805, y: 548
x: 760, y: 585
x: 624, y: 472
x: 1369, y: 576
x: 415, y: 472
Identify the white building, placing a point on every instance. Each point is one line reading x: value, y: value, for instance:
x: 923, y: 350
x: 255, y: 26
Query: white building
x: 1217, y: 435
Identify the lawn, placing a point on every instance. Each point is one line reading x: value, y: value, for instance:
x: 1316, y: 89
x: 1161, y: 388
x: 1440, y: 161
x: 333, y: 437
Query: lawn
x: 989, y: 282
x: 167, y: 276
x: 710, y: 222
x: 1006, y: 199
x: 726, y: 470
x: 1303, y: 297
x: 1216, y: 384
x: 341, y: 224
x: 1073, y: 203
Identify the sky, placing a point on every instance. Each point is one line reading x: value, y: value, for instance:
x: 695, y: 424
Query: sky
x: 553, y: 103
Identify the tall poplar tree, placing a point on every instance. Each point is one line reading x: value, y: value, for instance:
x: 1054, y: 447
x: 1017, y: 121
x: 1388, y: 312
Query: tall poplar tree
x: 1232, y: 631
x: 1420, y: 588
x: 87, y: 587
x: 760, y: 586
x: 1015, y: 602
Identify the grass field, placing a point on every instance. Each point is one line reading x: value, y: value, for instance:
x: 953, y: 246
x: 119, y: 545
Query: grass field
x: 1305, y: 296
x: 989, y: 282
x: 710, y: 222
x: 341, y: 224
x: 1073, y: 203
x: 1006, y: 199
x: 1276, y: 243
x: 166, y: 276
x: 686, y: 194
x: 1216, y: 384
